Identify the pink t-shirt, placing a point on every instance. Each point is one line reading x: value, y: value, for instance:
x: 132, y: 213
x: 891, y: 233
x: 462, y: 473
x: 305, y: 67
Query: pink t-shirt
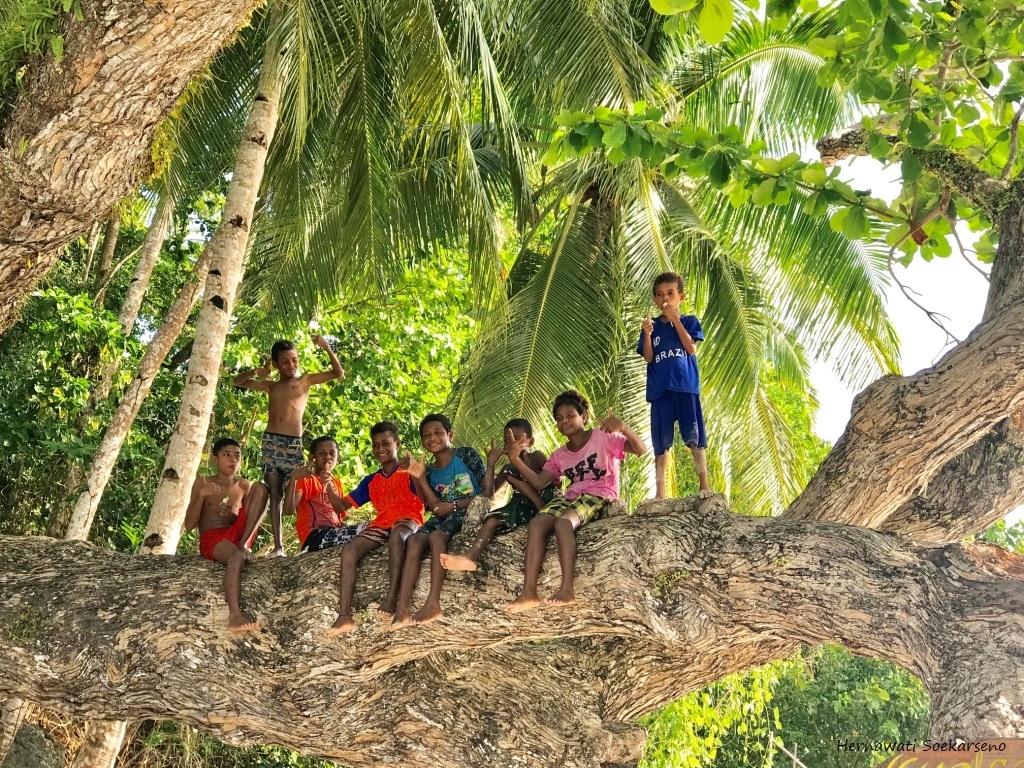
x: 594, y: 468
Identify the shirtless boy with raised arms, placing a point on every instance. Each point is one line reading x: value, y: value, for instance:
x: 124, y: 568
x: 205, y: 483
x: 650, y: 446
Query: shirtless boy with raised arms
x: 282, y: 442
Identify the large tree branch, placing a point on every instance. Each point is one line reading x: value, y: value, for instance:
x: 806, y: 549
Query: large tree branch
x: 952, y: 169
x: 78, y: 137
x: 667, y: 604
x: 903, y: 430
x: 971, y: 492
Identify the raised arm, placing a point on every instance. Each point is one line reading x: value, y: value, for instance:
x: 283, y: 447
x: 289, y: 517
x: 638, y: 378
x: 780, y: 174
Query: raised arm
x: 492, y: 483
x: 648, y: 348
x: 248, y: 380
x: 336, y: 371
x: 634, y: 444
x: 340, y: 504
x: 539, y: 480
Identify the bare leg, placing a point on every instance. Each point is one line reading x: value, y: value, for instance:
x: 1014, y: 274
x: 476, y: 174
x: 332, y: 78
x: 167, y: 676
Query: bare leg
x: 233, y: 558
x: 432, y: 608
x: 565, y: 538
x: 700, y: 461
x: 537, y: 533
x: 351, y: 554
x: 276, y: 488
x: 467, y: 561
x: 660, y: 469
x: 255, y: 509
x: 410, y: 574
x: 396, y: 559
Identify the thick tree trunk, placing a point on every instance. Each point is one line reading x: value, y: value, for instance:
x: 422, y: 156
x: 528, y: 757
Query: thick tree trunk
x: 109, y: 246
x: 78, y: 137
x: 228, y: 248
x: 669, y: 600
x: 12, y: 715
x: 109, y: 449
x: 899, y: 437
x: 101, y: 745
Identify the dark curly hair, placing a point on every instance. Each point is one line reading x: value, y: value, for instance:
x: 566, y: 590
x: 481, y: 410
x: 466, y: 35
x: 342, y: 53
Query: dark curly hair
x: 573, y: 398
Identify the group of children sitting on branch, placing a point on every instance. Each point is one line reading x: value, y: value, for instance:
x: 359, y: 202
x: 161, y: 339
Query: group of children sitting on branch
x: 228, y: 509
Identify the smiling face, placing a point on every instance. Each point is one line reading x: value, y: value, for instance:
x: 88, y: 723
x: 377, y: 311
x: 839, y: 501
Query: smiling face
x: 668, y: 294
x: 569, y: 421
x: 228, y: 459
x: 385, y: 447
x: 435, y: 438
x: 325, y: 458
x: 287, y: 363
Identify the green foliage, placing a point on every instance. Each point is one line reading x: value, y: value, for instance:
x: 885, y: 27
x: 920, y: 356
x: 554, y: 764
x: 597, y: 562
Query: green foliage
x: 29, y: 27
x: 809, y: 701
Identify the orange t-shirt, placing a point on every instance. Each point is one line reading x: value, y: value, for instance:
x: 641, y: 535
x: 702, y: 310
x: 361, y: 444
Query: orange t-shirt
x: 393, y: 496
x: 315, y: 510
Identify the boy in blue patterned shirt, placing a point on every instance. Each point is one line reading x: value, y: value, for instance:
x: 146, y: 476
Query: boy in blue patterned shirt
x: 446, y: 487
x: 669, y: 345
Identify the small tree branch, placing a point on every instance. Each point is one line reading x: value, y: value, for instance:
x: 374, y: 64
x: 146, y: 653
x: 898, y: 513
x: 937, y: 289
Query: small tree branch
x: 1011, y: 158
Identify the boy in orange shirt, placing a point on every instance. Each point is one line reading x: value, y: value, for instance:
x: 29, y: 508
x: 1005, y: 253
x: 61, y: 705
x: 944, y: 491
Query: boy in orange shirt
x: 316, y: 499
x: 392, y: 491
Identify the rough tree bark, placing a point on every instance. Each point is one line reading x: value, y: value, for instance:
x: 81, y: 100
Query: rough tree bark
x: 77, y: 139
x: 227, y: 249
x: 670, y: 599
x: 101, y: 744
x: 12, y: 715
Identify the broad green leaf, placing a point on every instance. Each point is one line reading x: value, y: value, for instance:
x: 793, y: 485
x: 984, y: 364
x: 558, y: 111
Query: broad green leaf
x: 715, y: 20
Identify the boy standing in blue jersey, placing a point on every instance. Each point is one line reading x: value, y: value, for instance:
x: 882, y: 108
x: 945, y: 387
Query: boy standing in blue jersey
x: 669, y: 345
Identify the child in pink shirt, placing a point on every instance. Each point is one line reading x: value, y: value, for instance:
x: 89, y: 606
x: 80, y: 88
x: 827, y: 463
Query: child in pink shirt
x: 590, y: 460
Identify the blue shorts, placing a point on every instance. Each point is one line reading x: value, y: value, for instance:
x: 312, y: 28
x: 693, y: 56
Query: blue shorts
x: 672, y: 408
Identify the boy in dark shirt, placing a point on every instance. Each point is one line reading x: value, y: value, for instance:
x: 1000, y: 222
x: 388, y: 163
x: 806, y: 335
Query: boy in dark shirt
x: 522, y: 505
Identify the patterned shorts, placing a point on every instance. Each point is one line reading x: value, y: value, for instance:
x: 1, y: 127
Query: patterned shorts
x: 586, y: 506
x: 326, y: 537
x: 281, y: 455
x: 450, y: 523
x: 518, y: 512
x: 380, y: 535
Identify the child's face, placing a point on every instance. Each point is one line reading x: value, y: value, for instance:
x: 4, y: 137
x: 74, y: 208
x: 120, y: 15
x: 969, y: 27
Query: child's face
x: 385, y: 447
x: 326, y: 457
x: 569, y: 421
x: 287, y: 364
x: 435, y: 438
x: 512, y: 435
x: 668, y: 295
x: 228, y: 459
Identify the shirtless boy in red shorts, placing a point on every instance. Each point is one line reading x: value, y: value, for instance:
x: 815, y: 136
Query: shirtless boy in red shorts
x: 218, y: 507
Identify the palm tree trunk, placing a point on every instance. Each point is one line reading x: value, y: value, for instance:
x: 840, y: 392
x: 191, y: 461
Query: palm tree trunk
x: 101, y: 744
x: 109, y: 245
x: 12, y: 714
x: 120, y: 425
x: 228, y: 247
x: 136, y: 290
x: 94, y: 237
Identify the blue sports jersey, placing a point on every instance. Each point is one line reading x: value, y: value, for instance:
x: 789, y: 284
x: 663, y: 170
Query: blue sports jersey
x: 673, y: 370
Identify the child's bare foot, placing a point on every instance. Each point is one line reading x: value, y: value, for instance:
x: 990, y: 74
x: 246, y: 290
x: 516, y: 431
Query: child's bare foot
x: 386, y: 610
x: 705, y: 493
x: 277, y: 552
x: 401, y: 619
x: 341, y: 626
x: 522, y: 603
x: 239, y: 623
x: 458, y: 563
x: 427, y: 614
x: 561, y: 597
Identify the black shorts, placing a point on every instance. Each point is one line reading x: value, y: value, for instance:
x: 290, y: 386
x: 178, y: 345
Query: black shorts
x: 327, y: 536
x: 450, y: 523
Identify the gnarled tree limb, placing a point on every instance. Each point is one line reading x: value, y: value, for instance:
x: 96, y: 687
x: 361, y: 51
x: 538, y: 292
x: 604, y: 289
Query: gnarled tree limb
x: 668, y: 602
x: 78, y: 137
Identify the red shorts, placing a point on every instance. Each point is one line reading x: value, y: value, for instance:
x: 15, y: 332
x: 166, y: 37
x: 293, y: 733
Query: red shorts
x: 233, y: 533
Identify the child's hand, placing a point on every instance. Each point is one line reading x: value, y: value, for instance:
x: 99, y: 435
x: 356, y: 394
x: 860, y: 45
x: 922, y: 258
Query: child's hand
x: 612, y: 423
x: 671, y: 313
x: 321, y: 342
x: 416, y: 467
x: 516, y: 483
x: 516, y: 447
x: 263, y: 371
x: 325, y: 476
x: 211, y: 488
x: 648, y: 326
x: 403, y: 460
x: 494, y: 453
x: 306, y: 470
